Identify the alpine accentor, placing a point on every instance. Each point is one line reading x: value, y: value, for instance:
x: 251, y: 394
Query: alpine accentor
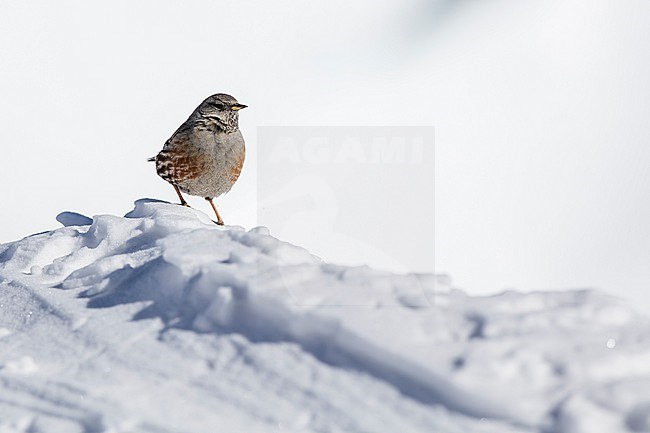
x: 204, y: 157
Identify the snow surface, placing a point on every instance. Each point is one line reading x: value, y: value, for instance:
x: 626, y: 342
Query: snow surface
x: 161, y: 321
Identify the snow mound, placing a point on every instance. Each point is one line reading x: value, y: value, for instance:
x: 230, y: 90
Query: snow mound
x: 161, y: 321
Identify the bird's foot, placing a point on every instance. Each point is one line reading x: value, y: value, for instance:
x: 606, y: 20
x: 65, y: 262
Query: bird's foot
x: 219, y: 222
x: 184, y: 203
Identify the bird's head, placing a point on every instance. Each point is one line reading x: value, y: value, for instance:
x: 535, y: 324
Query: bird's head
x: 221, y: 109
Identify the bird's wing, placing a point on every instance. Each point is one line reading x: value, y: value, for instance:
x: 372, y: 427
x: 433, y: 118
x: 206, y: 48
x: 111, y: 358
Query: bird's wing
x: 180, y: 161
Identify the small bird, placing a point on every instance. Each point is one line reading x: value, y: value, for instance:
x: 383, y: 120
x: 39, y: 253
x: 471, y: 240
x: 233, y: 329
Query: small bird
x: 205, y: 155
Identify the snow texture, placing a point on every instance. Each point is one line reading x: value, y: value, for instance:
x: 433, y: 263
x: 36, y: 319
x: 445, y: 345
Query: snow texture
x: 161, y: 321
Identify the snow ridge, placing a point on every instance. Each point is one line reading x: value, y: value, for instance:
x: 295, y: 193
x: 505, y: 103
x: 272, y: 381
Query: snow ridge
x: 163, y: 295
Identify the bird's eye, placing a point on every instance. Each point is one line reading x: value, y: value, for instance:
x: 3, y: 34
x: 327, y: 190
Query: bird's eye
x: 217, y: 106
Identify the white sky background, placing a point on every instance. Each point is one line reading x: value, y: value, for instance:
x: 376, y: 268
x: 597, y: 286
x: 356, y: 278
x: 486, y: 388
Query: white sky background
x: 541, y: 111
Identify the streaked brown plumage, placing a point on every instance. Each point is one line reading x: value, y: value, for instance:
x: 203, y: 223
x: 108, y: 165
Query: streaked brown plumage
x: 205, y: 156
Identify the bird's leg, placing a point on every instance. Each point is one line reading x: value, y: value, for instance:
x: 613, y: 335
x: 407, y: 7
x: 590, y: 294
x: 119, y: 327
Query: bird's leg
x: 178, y: 191
x: 219, y: 220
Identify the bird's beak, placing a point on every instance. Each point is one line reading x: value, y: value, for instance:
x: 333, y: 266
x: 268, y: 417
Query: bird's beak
x: 238, y: 107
